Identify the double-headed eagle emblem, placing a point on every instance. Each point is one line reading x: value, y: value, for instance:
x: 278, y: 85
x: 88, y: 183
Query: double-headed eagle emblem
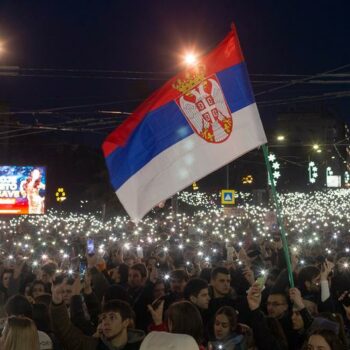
x: 204, y: 105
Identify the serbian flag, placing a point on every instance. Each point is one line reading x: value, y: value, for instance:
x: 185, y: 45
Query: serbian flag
x: 199, y: 121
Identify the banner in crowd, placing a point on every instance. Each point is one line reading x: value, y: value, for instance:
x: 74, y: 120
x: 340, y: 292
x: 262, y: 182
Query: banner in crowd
x: 22, y: 189
x: 199, y: 121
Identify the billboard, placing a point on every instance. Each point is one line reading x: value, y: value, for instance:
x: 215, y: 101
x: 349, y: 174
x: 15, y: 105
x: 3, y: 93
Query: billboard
x: 333, y: 181
x: 22, y: 189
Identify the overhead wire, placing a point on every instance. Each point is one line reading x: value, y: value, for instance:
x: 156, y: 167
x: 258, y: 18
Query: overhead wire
x: 298, y: 81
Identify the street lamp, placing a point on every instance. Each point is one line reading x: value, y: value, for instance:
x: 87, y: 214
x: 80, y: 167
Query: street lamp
x: 315, y: 146
x: 2, y: 47
x: 280, y: 138
x: 190, y: 58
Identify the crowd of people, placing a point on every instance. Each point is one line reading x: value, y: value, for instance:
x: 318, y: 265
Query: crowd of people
x: 213, y: 279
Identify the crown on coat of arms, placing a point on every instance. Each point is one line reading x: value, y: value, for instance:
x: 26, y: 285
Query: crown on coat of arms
x: 192, y: 78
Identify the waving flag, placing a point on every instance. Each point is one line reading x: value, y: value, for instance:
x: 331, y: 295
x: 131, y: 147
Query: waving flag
x: 199, y: 121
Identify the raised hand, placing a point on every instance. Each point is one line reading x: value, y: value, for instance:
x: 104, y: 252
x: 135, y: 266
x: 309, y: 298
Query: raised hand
x: 76, y: 286
x: 91, y: 260
x: 87, y: 283
x: 156, y: 312
x: 254, y: 296
x: 296, y: 298
x: 326, y: 269
x: 57, y: 291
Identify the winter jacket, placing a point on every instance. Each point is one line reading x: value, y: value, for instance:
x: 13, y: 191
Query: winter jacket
x: 72, y: 338
x: 264, y: 339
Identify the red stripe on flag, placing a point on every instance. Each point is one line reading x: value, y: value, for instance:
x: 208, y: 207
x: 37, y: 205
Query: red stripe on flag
x: 228, y: 53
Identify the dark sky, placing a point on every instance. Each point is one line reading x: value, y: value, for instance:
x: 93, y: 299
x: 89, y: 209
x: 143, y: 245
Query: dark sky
x: 280, y: 37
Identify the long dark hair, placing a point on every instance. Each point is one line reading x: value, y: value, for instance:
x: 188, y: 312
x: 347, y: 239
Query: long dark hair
x: 330, y: 337
x: 185, y: 318
x: 338, y: 319
x: 123, y: 270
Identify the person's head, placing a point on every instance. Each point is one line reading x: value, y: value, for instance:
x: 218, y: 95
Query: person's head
x: 35, y: 174
x: 220, y: 281
x: 117, y: 255
x: 130, y: 260
x: 324, y: 340
x: 137, y: 276
x: 297, y: 320
x: 5, y: 278
x: 158, y: 289
x: 178, y: 280
x: 115, y: 318
x: 47, y: 272
x: 43, y: 299
x: 184, y: 318
x: 335, y: 323
x: 20, y: 333
x: 277, y: 305
x: 205, y: 274
x: 196, y: 291
x: 18, y: 305
x: 309, y: 280
x: 121, y: 273
x: 67, y: 290
x: 41, y: 317
x: 225, y: 322
x: 37, y: 288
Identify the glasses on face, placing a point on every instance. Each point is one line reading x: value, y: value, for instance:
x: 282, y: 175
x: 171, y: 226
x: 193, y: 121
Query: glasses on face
x: 275, y: 304
x: 108, y: 316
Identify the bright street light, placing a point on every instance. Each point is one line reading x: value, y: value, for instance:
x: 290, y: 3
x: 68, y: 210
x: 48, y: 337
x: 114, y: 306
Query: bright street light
x: 2, y: 47
x: 190, y: 58
x: 280, y: 138
x: 316, y: 146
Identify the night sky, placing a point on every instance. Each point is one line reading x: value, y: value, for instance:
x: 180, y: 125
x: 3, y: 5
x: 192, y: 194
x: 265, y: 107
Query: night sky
x: 299, y: 37
x: 62, y: 47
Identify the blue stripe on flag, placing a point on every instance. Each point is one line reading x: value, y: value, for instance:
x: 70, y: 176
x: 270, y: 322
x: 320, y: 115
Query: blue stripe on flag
x: 166, y: 126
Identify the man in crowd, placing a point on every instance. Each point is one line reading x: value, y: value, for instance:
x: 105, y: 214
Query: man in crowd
x: 222, y: 294
x: 113, y: 332
x: 197, y: 292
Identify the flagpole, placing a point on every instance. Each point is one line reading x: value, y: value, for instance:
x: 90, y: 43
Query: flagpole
x: 279, y: 217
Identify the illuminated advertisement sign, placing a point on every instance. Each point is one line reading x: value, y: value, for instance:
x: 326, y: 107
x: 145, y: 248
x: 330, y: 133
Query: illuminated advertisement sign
x: 22, y: 189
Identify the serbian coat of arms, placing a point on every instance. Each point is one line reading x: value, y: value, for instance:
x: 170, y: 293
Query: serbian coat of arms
x: 205, y: 108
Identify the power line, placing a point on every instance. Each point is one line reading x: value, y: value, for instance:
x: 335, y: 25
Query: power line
x: 304, y: 98
x: 298, y: 81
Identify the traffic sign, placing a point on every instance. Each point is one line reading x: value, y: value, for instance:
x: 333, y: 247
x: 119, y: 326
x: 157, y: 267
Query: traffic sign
x: 227, y: 197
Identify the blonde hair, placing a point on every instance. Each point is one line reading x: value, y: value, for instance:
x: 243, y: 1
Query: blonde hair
x: 20, y: 333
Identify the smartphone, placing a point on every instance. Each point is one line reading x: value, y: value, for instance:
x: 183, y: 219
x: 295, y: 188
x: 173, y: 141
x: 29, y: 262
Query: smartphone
x: 139, y: 252
x: 82, y: 268
x: 261, y: 281
x: 90, y: 246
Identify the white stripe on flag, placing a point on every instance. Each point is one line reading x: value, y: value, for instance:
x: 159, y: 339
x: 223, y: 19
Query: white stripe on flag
x: 187, y: 161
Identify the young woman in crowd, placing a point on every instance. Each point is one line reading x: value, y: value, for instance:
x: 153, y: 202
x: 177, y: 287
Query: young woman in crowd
x: 226, y: 331
x: 20, y: 333
x: 324, y: 339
